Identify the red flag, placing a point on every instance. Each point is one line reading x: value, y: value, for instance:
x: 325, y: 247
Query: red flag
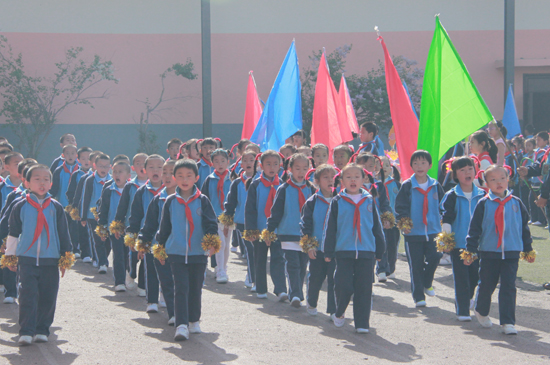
x: 253, y: 109
x: 345, y: 100
x: 329, y: 125
x: 404, y: 120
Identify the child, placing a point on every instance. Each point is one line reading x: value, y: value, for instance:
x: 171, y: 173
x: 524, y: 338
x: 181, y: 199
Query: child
x: 299, y: 139
x: 342, y: 154
x: 187, y: 216
x: 11, y: 163
x: 65, y: 139
x: 458, y: 206
x: 216, y: 187
x: 418, y: 199
x: 110, y: 198
x: 287, y: 150
x: 234, y: 207
x: 38, y: 250
x: 484, y: 148
x: 3, y: 153
x: 319, y: 152
x: 314, y: 214
x: 206, y: 147
x: 498, y: 131
x: 305, y: 150
x: 62, y: 174
x: 173, y: 148
x: 367, y: 135
x: 241, y: 147
x: 498, y: 233
x: 191, y: 150
x: 260, y: 198
x: 149, y: 230
x: 285, y: 218
x: 354, y: 237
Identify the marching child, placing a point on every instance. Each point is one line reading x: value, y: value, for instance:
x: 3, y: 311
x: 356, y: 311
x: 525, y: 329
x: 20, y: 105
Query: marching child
x: 65, y: 139
x: 314, y: 215
x: 354, y: 238
x: 287, y: 150
x: 206, y: 147
x: 341, y: 154
x: 38, y: 250
x: 499, y: 253
x: 173, y: 148
x: 484, y: 148
x: 458, y: 206
x: 187, y: 216
x: 367, y: 135
x: 418, y: 202
x: 11, y: 163
x: 62, y: 174
x: 191, y: 150
x: 241, y: 147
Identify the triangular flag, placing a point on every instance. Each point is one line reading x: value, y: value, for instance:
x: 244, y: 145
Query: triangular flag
x: 405, y: 123
x: 451, y: 106
x: 328, y: 124
x: 345, y: 100
x: 510, y: 117
x: 253, y: 109
x: 410, y: 99
x: 282, y: 114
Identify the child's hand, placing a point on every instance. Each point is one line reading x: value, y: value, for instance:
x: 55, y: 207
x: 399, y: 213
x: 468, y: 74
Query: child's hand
x: 162, y: 262
x: 3, y: 250
x: 267, y: 243
x: 312, y: 254
x: 13, y: 268
x: 530, y: 260
x: 407, y: 231
x: 468, y: 262
x: 104, y: 239
x: 523, y: 171
x: 327, y: 259
x: 117, y: 235
x: 378, y: 260
x: 83, y: 223
x: 225, y: 231
x: 386, y: 225
x: 141, y: 255
x: 211, y: 252
x: 541, y: 202
x: 133, y: 249
x: 62, y: 272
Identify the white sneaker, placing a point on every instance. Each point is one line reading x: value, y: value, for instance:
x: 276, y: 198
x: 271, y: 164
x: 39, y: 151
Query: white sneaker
x: 40, y: 338
x: 253, y: 289
x: 382, y: 277
x: 94, y: 264
x: 234, y: 249
x: 484, y: 321
x: 182, y: 333
x: 338, y: 322
x: 25, y: 340
x: 222, y: 279
x: 445, y: 260
x: 162, y: 302
x: 282, y: 297
x: 172, y: 321
x: 464, y: 318
x: 296, y: 302
x: 102, y: 269
x: 247, y: 283
x: 141, y: 292
x: 421, y: 303
x: 362, y: 330
x: 120, y: 288
x: 152, y: 308
x: 194, y: 327
x: 538, y: 224
x: 509, y: 329
x: 472, y: 304
x: 391, y: 276
x: 77, y: 255
x: 130, y: 282
x: 261, y: 296
x: 9, y: 300
x: 312, y: 311
x: 87, y: 259
x: 430, y: 291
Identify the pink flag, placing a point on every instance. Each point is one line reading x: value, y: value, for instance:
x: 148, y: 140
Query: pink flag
x: 345, y: 100
x: 253, y: 109
x: 329, y: 125
x: 404, y: 120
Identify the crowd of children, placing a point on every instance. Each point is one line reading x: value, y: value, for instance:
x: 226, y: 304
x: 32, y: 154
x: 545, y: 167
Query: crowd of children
x: 317, y: 220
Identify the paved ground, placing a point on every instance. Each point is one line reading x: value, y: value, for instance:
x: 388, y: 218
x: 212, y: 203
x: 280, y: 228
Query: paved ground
x: 93, y: 325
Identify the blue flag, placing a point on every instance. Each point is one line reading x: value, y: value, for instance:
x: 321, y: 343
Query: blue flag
x: 510, y: 117
x: 282, y: 113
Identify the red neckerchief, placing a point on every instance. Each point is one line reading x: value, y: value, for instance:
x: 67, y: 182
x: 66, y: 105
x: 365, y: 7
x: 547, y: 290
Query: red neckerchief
x: 153, y: 191
x: 356, y: 214
x: 207, y: 162
x: 242, y: 177
x: 485, y: 156
x: 41, y: 222
x: 272, y: 191
x: 386, y: 185
x: 499, y: 218
x: 67, y: 170
x: 188, y: 213
x: 545, y: 157
x: 425, y: 205
x: 301, y: 196
x: 221, y: 181
x: 236, y: 164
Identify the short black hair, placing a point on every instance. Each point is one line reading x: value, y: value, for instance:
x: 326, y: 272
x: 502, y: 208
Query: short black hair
x: 459, y: 163
x: 6, y: 145
x: 37, y: 167
x: 102, y: 156
x: 67, y: 146
x: 124, y: 164
x: 11, y: 155
x: 543, y: 135
x: 82, y: 150
x: 186, y: 164
x: 24, y: 163
x: 174, y: 141
x: 370, y: 127
x: 154, y: 157
x: 421, y: 154
x: 62, y: 139
x: 121, y: 158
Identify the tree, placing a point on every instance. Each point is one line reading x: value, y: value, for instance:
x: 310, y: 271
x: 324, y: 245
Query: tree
x: 146, y: 136
x: 32, y: 105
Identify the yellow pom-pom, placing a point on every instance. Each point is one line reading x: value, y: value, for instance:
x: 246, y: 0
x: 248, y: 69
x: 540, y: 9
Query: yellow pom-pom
x: 144, y: 247
x: 75, y: 214
x: 445, y: 242
x: 8, y: 261
x: 67, y: 261
x: 159, y: 252
x: 68, y: 209
x: 211, y: 241
x: 117, y: 227
x: 95, y: 213
x: 528, y: 256
x: 308, y: 243
x: 268, y: 236
x: 468, y: 256
x: 102, y: 232
x: 251, y: 235
x: 130, y: 240
x: 405, y: 224
x: 388, y: 217
x: 226, y: 220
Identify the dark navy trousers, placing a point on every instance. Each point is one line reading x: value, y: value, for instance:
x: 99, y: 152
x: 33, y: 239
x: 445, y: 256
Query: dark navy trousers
x: 465, y: 280
x: 319, y: 269
x: 276, y: 267
x: 423, y: 259
x: 188, y: 279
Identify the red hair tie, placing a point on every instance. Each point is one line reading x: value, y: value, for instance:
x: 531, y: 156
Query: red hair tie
x: 258, y: 156
x: 233, y: 148
x: 480, y: 174
x: 353, y: 157
x: 352, y: 148
x: 309, y: 173
x: 368, y: 173
x: 282, y: 156
x: 236, y: 163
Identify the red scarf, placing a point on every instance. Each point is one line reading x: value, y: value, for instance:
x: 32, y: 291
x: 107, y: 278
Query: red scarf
x: 67, y: 170
x: 386, y: 185
x: 356, y: 214
x: 499, y: 218
x: 207, y: 162
x: 188, y: 213
x: 485, y: 156
x: 221, y: 181
x: 301, y: 196
x: 425, y: 205
x: 272, y: 191
x: 243, y: 180
x: 41, y: 222
x: 153, y: 191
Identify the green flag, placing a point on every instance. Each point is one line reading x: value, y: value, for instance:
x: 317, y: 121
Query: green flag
x: 451, y: 107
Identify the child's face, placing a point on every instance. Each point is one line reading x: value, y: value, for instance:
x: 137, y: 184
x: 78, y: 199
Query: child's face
x: 298, y: 140
x: 70, y: 139
x: 388, y: 171
x: 220, y: 163
x: 299, y: 170
x: 287, y: 152
x: 540, y: 142
x: 326, y: 181
x: 102, y: 167
x: 173, y: 150
x: 85, y: 160
x: 421, y: 167
x: 139, y: 167
x: 192, y: 153
x: 370, y: 165
x: 475, y: 146
x: 320, y: 157
x: 40, y: 182
x: 305, y: 150
x: 529, y: 147
x: 247, y: 164
x: 206, y: 151
x: 241, y: 150
x: 466, y: 175
x: 341, y: 159
x: 365, y: 136
x: 493, y: 131
x: 270, y: 166
x: 497, y: 182
x: 167, y: 177
x: 186, y: 179
x: 120, y: 175
x: 12, y: 166
x: 70, y: 155
x: 352, y: 180
x: 154, y: 170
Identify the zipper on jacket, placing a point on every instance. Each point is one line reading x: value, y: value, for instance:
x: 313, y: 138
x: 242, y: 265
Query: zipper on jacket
x: 187, y: 243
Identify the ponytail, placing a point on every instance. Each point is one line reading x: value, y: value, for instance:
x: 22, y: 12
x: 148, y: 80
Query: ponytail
x: 493, y: 150
x: 373, y: 189
x: 312, y: 161
x: 396, y: 174
x: 286, y: 175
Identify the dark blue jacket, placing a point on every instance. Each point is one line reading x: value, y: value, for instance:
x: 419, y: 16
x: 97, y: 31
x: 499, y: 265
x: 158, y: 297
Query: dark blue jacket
x: 204, y: 171
x: 125, y: 205
x: 60, y: 182
x: 236, y: 199
x: 6, y: 211
x: 91, y: 195
x: 254, y: 214
x: 6, y: 187
x: 110, y: 197
x: 152, y: 218
x: 314, y: 218
x: 210, y: 189
x: 143, y: 197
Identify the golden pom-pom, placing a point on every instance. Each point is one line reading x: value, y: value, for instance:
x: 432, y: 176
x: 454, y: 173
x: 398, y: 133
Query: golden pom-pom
x: 102, y: 232
x: 117, y: 227
x: 67, y: 261
x: 268, y: 236
x: 468, y: 256
x: 95, y: 213
x: 388, y: 217
x: 144, y: 247
x: 8, y: 261
x: 251, y: 235
x: 159, y: 252
x: 226, y: 220
x: 75, y: 214
x: 445, y: 242
x: 130, y: 240
x: 68, y: 209
x: 211, y: 241
x: 405, y: 224
x: 308, y: 243
x: 528, y: 256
